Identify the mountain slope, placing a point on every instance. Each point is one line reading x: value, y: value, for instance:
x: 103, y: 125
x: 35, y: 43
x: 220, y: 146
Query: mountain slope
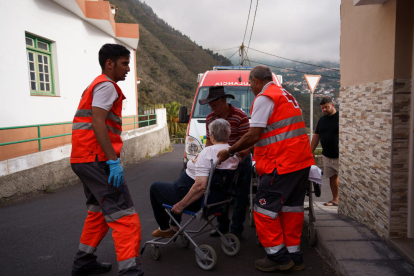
x: 167, y: 60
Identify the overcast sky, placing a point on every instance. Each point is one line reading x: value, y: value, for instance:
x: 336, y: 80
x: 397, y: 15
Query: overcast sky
x: 306, y: 30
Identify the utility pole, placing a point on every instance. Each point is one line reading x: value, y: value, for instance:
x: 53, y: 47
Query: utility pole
x: 242, y: 53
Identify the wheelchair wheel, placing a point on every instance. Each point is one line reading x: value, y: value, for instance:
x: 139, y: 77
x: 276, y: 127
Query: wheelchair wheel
x: 184, y: 240
x: 311, y: 235
x: 234, y: 246
x: 156, y: 253
x: 211, y: 257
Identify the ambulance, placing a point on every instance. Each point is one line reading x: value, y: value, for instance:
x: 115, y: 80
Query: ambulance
x: 235, y: 80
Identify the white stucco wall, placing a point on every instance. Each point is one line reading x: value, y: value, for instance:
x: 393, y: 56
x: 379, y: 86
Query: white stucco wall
x: 75, y: 61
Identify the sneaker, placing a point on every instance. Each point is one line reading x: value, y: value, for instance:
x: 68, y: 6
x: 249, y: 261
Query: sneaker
x: 169, y: 233
x: 298, y: 266
x: 268, y: 265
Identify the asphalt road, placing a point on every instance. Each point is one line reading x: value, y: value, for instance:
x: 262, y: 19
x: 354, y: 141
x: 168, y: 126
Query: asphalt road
x: 40, y: 234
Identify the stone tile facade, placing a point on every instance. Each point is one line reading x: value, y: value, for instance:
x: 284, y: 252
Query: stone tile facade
x: 372, y: 139
x: 365, y: 127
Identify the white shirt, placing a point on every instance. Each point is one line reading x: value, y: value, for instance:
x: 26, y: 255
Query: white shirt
x: 104, y: 95
x: 201, y: 165
x: 262, y: 109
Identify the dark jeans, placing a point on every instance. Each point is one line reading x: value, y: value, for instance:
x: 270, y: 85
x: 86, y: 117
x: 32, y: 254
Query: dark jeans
x: 171, y: 193
x: 240, y: 201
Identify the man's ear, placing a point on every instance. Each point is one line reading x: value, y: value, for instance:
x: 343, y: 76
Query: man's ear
x: 109, y: 64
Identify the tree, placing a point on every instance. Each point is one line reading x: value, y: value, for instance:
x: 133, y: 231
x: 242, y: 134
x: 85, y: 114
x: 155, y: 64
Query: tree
x: 172, y: 117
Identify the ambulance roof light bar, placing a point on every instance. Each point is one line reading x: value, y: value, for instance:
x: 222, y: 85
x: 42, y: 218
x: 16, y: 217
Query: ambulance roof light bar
x: 216, y: 68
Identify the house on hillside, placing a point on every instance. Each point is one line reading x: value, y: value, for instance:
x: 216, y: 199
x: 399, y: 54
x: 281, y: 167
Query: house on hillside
x: 376, y: 119
x: 50, y: 55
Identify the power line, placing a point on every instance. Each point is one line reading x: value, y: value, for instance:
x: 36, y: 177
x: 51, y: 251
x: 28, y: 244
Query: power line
x: 331, y: 77
x: 203, y: 50
x: 332, y: 69
x: 247, y: 23
x: 233, y: 54
x: 254, y: 19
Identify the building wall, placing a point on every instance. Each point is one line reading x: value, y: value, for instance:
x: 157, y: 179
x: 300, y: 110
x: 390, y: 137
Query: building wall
x: 75, y: 61
x: 365, y: 126
x: 376, y: 54
x: 367, y: 42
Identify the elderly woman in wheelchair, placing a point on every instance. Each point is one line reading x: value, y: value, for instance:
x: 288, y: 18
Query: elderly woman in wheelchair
x: 187, y: 191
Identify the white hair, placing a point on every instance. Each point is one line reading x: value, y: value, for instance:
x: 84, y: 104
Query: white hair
x: 220, y: 129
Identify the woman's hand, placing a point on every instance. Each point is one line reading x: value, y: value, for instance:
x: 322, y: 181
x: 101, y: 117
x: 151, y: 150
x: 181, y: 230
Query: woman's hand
x: 177, y: 208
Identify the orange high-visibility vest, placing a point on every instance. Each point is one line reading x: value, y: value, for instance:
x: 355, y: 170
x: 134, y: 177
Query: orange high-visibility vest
x: 85, y: 147
x: 284, y: 144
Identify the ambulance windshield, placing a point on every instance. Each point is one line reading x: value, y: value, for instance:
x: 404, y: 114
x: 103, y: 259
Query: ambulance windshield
x: 243, y: 99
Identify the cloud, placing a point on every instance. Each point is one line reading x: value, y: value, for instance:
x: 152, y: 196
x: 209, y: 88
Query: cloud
x: 296, y: 29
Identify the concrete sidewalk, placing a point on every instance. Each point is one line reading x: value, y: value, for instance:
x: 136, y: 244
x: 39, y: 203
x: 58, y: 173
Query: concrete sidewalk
x: 353, y: 249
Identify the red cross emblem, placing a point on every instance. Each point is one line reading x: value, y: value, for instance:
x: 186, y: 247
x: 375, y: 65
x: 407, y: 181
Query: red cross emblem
x: 262, y: 201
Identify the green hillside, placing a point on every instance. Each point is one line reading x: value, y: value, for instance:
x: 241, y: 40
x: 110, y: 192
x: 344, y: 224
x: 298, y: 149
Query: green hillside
x: 167, y: 60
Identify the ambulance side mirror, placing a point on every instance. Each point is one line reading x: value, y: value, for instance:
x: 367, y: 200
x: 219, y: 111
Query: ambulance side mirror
x: 182, y: 115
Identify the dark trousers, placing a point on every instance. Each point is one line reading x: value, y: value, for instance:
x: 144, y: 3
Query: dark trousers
x: 240, y: 201
x: 170, y: 194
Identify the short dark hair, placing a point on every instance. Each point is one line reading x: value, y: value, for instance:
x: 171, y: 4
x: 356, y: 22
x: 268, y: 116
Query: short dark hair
x: 112, y: 52
x: 261, y: 72
x: 326, y: 100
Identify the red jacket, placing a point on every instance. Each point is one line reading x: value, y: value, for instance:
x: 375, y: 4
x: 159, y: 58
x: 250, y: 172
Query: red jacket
x: 85, y: 147
x: 284, y: 144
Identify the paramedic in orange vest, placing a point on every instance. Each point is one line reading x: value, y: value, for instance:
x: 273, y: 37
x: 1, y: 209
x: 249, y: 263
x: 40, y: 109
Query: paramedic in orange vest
x: 96, y: 148
x: 283, y: 160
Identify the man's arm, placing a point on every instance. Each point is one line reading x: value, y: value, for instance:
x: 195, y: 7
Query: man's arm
x: 196, y: 191
x: 315, y: 142
x: 101, y: 133
x: 248, y: 140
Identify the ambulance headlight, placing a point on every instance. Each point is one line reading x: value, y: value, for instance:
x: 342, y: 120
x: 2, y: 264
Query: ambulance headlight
x: 192, y: 145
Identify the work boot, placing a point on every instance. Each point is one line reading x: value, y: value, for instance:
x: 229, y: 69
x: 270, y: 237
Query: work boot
x: 298, y: 266
x: 99, y: 268
x: 268, y: 265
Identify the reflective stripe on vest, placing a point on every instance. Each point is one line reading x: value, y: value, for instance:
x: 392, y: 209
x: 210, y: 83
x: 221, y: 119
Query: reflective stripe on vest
x: 120, y: 214
x: 265, y: 212
x: 88, y: 113
x: 283, y: 123
x: 274, y: 249
x: 281, y: 137
x: 89, y: 126
x: 293, y: 209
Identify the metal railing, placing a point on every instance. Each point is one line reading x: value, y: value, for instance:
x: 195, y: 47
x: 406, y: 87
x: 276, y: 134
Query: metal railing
x: 141, y: 120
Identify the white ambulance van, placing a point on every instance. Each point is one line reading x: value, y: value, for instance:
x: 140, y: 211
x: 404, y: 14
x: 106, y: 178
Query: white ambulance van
x: 235, y: 80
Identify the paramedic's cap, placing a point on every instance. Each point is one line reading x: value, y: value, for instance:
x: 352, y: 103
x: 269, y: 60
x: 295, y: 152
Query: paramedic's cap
x: 215, y: 93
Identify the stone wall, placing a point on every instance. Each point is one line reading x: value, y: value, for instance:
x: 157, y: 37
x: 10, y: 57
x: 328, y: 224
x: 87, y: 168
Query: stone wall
x: 365, y: 127
x: 400, y: 157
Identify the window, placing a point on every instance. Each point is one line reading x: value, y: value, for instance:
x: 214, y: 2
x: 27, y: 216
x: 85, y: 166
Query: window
x: 39, y: 61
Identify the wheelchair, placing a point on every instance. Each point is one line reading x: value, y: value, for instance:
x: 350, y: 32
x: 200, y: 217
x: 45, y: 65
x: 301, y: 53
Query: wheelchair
x: 218, y: 195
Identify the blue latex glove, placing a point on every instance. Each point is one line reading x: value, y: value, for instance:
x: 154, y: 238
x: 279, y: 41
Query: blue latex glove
x: 116, y: 173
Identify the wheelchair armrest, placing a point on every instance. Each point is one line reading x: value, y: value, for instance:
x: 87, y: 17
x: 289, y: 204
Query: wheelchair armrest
x: 184, y: 212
